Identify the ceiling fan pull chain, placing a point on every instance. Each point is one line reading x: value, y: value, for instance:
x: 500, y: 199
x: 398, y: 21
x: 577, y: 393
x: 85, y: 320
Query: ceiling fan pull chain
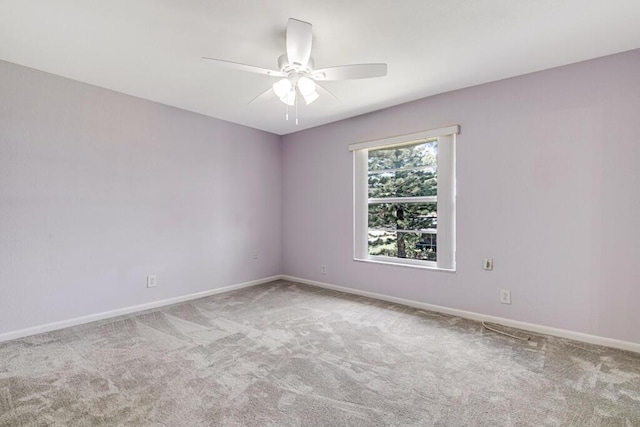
x: 286, y: 115
x: 296, y: 104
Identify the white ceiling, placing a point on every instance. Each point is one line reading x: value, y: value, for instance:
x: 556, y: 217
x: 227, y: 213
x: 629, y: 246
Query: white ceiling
x: 152, y: 48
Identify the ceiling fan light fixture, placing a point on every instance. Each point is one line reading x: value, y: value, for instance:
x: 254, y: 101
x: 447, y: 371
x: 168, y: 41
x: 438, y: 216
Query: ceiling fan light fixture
x: 289, y: 98
x: 282, y: 88
x: 306, y: 86
x: 311, y: 97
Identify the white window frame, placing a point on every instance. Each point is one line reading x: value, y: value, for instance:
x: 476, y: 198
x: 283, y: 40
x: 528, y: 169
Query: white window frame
x: 446, y: 198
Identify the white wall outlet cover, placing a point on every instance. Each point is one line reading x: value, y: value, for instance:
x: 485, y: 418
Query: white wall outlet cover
x: 151, y: 282
x: 487, y: 264
x: 505, y: 296
x: 323, y: 269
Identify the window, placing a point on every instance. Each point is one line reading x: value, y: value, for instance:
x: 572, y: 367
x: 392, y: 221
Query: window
x: 404, y: 199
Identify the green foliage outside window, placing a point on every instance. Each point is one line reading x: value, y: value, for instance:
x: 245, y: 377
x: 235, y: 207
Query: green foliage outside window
x: 397, y: 229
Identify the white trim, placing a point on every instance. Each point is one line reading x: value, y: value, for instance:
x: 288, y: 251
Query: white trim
x: 540, y: 329
x: 411, y: 231
x: 411, y: 169
x: 446, y: 198
x: 408, y: 199
x: 408, y: 139
x: 128, y: 310
x: 446, y: 210
x: 404, y: 262
x: 360, y: 196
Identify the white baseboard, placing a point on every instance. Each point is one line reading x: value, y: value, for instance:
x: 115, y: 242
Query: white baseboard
x: 128, y: 310
x: 562, y: 333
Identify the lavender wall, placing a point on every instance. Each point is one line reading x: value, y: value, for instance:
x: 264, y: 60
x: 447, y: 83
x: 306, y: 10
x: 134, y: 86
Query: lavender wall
x: 99, y: 190
x: 548, y: 176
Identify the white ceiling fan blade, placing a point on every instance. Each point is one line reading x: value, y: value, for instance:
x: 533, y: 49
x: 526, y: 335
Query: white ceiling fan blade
x: 264, y: 96
x: 324, y: 91
x: 348, y: 72
x: 244, y: 67
x: 298, y: 42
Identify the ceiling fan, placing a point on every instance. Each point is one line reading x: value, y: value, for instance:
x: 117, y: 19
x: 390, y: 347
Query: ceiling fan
x: 299, y: 78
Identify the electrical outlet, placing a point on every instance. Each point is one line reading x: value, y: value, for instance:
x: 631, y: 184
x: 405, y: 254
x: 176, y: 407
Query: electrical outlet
x: 505, y: 296
x: 488, y: 264
x: 151, y: 282
x: 323, y: 269
x: 254, y: 255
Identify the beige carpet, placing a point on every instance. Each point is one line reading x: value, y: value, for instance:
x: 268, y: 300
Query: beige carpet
x: 284, y: 354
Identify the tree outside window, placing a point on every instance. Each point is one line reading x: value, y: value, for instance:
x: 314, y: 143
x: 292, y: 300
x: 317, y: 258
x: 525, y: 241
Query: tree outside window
x: 402, y: 201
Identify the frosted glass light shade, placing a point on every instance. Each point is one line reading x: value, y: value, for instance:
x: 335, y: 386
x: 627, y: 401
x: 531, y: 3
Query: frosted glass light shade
x: 282, y: 87
x: 289, y: 98
x: 311, y: 97
x: 306, y: 86
x: 287, y: 91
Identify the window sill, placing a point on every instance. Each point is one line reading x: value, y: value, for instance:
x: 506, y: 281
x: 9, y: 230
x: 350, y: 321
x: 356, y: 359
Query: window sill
x: 402, y: 264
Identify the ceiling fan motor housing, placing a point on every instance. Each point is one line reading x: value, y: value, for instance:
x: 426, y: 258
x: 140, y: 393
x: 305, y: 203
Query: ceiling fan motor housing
x: 287, y: 67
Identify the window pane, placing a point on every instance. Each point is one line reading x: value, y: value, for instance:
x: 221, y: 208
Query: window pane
x: 403, y: 245
x: 403, y: 216
x: 403, y: 230
x: 422, y: 154
x: 412, y: 183
x: 409, y: 171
